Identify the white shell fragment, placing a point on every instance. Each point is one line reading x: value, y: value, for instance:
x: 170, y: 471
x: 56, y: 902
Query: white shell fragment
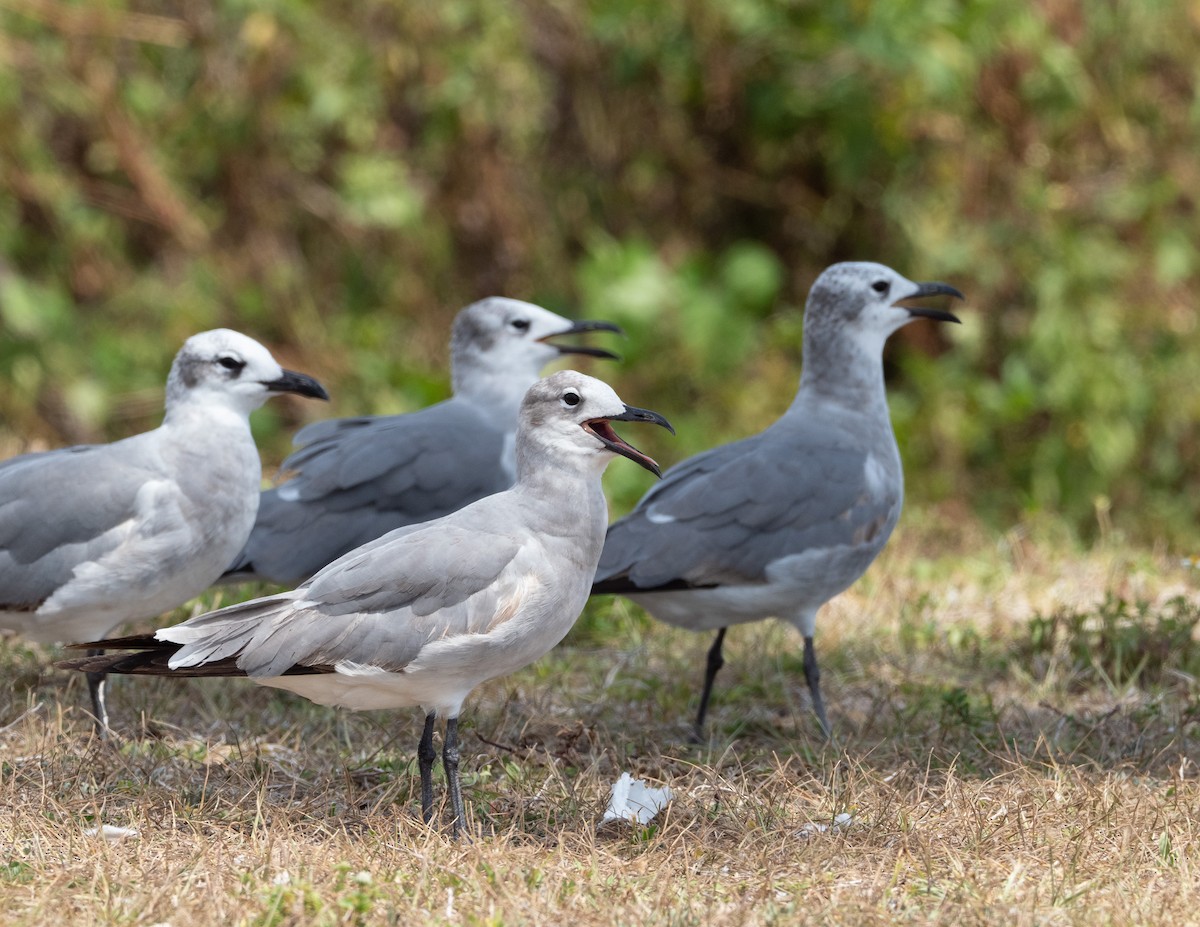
x: 840, y: 823
x: 110, y: 832
x: 634, y: 801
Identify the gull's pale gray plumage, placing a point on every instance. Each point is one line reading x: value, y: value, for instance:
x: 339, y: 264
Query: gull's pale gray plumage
x: 794, y: 487
x: 358, y: 478
x: 365, y: 613
x: 96, y: 535
x: 778, y: 524
x: 123, y: 521
x: 425, y: 613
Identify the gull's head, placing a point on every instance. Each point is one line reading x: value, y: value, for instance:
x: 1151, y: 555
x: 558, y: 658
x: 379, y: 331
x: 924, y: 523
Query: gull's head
x: 567, y: 417
x: 510, y: 338
x: 867, y: 302
x: 225, y: 368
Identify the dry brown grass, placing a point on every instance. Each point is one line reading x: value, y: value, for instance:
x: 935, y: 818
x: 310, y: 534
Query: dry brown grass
x: 988, y: 782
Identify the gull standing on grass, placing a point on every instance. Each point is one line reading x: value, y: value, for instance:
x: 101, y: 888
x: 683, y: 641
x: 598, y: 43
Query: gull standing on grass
x: 424, y: 614
x: 96, y: 535
x: 358, y: 478
x: 778, y: 524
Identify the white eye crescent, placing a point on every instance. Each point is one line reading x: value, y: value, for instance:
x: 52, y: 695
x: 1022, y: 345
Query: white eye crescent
x: 571, y: 398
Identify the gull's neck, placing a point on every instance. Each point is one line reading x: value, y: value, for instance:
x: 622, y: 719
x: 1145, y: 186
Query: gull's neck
x: 845, y: 370
x: 211, y: 441
x: 498, y: 391
x: 571, y: 501
x: 842, y: 384
x: 201, y: 419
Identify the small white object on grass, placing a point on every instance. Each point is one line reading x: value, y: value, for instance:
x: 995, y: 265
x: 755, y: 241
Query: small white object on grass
x: 111, y: 832
x: 635, y: 802
x: 840, y: 823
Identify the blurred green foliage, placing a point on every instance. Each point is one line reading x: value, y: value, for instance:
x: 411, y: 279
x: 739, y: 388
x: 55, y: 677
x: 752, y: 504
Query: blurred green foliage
x: 337, y: 179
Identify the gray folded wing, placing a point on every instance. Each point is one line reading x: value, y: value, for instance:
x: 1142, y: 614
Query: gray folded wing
x: 358, y: 478
x: 60, y: 509
x: 377, y: 607
x: 725, y: 515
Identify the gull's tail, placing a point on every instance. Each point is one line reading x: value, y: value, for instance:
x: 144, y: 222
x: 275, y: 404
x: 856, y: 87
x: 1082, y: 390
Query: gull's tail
x: 141, y: 655
x: 145, y: 655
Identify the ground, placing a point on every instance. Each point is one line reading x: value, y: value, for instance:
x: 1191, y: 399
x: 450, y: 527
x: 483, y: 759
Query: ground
x: 1016, y: 726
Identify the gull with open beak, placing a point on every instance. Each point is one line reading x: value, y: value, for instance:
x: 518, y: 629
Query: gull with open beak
x: 354, y: 479
x: 778, y: 524
x: 424, y: 614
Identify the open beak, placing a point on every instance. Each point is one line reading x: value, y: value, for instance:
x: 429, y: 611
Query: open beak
x: 584, y: 326
x: 300, y: 383
x: 931, y: 289
x: 601, y: 428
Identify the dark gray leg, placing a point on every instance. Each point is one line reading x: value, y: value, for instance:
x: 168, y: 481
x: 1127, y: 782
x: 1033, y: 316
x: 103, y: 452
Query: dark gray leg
x: 813, y: 675
x: 715, y: 662
x: 425, y: 757
x: 450, y: 764
x: 96, y: 690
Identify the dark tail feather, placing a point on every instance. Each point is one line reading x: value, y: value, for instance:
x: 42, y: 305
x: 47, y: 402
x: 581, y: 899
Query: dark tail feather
x: 614, y: 586
x: 146, y: 662
x: 623, y: 585
x: 133, y: 642
x: 150, y: 657
x: 240, y: 573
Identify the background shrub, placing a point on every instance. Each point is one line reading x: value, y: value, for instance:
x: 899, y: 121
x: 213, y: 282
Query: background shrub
x: 338, y: 179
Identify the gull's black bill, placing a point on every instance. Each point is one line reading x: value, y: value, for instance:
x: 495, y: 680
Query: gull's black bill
x: 585, y: 326
x: 601, y: 428
x: 299, y: 383
x: 932, y: 289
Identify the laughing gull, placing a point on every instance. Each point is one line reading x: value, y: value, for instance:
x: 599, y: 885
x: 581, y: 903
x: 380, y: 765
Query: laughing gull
x: 778, y: 524
x: 424, y: 614
x: 355, y: 479
x: 96, y: 535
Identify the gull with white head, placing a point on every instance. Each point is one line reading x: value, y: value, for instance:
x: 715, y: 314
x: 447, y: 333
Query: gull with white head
x: 96, y: 535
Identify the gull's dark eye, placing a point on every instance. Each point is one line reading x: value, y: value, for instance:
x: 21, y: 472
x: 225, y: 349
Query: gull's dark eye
x: 881, y: 286
x: 231, y: 363
x: 521, y: 325
x: 571, y: 398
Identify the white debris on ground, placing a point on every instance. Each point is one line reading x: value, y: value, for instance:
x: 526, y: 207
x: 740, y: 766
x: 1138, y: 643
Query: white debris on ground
x: 840, y: 823
x: 635, y: 802
x: 110, y: 832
